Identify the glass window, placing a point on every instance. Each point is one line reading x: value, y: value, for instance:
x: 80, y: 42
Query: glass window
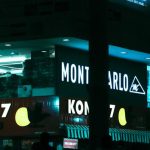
x: 26, y: 73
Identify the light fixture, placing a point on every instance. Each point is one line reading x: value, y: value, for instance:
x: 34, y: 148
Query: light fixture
x: 53, y: 54
x: 12, y: 53
x: 7, y: 44
x: 123, y: 52
x: 43, y: 51
x: 66, y: 40
x: 147, y: 58
x: 12, y: 59
x: 2, y: 71
x: 16, y: 71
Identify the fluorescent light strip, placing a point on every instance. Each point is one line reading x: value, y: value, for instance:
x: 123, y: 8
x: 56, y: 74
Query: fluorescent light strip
x: 2, y: 71
x: 7, y: 44
x: 123, y: 52
x: 12, y: 63
x: 43, y: 51
x: 13, y: 71
x: 12, y: 59
x: 16, y: 71
x: 11, y: 67
x: 66, y: 40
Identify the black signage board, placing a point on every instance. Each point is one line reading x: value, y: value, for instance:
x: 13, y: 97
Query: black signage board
x: 127, y: 82
x: 74, y: 111
x: 127, y: 88
x: 134, y: 118
x: 72, y: 71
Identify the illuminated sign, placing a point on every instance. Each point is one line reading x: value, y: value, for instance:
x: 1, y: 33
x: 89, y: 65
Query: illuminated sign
x: 26, y: 116
x: 132, y: 3
x: 21, y: 117
x: 119, y: 81
x: 121, y: 114
x: 122, y: 117
x: 127, y: 83
x: 136, y: 87
x: 75, y: 73
x: 116, y: 81
x: 138, y: 2
x: 70, y: 143
x: 76, y: 111
x: 127, y: 80
x: 72, y: 71
x: 78, y: 107
x: 6, y: 107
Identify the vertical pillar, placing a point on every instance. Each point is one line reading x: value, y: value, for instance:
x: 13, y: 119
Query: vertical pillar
x: 98, y: 56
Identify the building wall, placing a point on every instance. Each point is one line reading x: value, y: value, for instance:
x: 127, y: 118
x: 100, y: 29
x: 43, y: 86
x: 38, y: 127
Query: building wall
x: 127, y: 26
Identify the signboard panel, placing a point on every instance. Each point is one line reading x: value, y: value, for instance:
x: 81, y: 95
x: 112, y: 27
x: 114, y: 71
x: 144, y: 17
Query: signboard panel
x: 127, y: 90
x: 74, y: 111
x: 127, y: 82
x: 28, y: 116
x: 72, y: 72
x: 128, y: 118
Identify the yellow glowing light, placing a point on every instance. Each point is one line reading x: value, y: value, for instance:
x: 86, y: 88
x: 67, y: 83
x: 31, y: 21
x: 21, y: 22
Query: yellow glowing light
x: 21, y: 117
x: 122, y: 117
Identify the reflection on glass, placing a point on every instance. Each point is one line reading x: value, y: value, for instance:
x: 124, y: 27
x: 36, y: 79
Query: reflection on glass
x: 27, y: 73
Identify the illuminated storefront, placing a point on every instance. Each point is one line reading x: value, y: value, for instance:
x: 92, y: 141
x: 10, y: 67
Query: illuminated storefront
x: 53, y: 74
x: 127, y: 83
x: 55, y: 79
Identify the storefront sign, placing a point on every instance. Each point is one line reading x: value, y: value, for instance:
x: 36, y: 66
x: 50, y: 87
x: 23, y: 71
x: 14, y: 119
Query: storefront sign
x: 119, y: 81
x: 5, y: 107
x: 76, y: 111
x: 74, y: 73
x: 127, y: 80
x: 26, y: 116
x: 78, y: 107
x: 127, y: 83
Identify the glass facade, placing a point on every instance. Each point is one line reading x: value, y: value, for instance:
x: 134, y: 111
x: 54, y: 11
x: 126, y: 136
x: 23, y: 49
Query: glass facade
x: 36, y: 72
x: 27, y: 73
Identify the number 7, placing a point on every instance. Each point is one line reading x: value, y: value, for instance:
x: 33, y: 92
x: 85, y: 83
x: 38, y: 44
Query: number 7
x: 112, y: 110
x: 6, y: 109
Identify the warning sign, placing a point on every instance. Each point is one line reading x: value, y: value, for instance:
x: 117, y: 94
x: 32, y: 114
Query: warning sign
x: 136, y: 87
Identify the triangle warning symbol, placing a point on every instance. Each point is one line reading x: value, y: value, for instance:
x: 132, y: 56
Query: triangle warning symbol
x: 136, y: 87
